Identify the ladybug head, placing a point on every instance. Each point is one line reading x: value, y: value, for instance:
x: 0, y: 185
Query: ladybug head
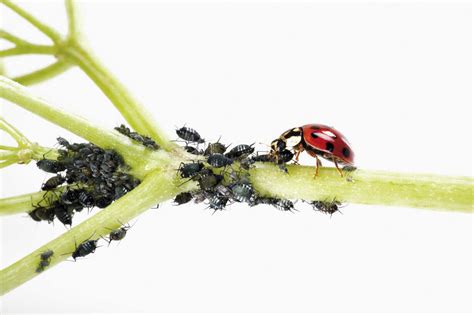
x: 277, y: 146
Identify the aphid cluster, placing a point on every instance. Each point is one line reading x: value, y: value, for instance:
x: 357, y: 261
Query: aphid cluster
x: 95, y: 178
x: 223, y: 175
x: 45, y: 260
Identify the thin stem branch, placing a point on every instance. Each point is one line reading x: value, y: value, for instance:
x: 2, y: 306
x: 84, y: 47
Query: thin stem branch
x: 7, y: 163
x: 27, y: 202
x: 43, y: 74
x: 15, y: 133
x: 71, y: 11
x: 45, y: 29
x: 14, y: 39
x: 366, y: 187
x: 134, y: 113
x: 28, y: 49
x: 156, y: 187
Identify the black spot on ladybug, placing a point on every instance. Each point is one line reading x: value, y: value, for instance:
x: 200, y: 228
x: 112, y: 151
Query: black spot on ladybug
x: 314, y: 127
x: 329, y: 146
x: 314, y: 135
x: 346, y: 152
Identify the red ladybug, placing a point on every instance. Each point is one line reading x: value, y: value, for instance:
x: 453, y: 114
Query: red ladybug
x: 317, y: 140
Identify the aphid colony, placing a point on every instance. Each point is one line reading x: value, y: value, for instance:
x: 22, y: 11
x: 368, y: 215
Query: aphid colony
x: 223, y: 177
x: 94, y: 177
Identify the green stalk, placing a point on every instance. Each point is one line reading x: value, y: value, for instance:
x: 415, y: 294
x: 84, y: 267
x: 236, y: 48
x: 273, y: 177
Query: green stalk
x: 367, y: 187
x: 45, y: 29
x: 134, y: 154
x: 43, y: 74
x: 28, y: 49
x: 134, y: 113
x: 156, y: 187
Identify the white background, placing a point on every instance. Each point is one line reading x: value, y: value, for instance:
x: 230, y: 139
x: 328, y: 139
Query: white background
x: 395, y: 78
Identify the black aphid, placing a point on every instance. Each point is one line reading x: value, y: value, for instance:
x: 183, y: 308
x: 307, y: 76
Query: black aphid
x: 53, y: 182
x: 51, y: 166
x: 207, y: 179
x: 63, y: 214
x: 215, y: 147
x: 349, y: 168
x: 42, y: 214
x: 145, y: 140
x: 47, y: 254
x: 187, y: 170
x: 183, y: 198
x: 280, y: 204
x: 189, y: 134
x: 45, y: 260
x: 218, y: 201
x: 328, y: 207
x: 241, y: 151
x: 285, y: 156
x: 119, y: 234
x: 192, y: 150
x: 85, y: 248
x: 243, y: 192
x: 219, y: 160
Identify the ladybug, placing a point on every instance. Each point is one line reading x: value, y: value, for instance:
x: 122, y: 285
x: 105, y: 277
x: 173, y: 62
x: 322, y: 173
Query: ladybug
x: 317, y: 140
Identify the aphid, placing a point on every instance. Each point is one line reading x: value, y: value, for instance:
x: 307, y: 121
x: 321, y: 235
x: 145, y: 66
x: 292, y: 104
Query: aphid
x: 42, y: 214
x: 102, y: 201
x: 63, y: 214
x: 280, y: 204
x: 85, y: 198
x: 218, y: 201
x: 317, y: 140
x: 183, y: 198
x: 284, y: 156
x: 213, y: 148
x: 326, y: 206
x: 47, y: 254
x: 262, y: 158
x: 145, y: 140
x: 243, y: 192
x: 42, y: 265
x: 34, y: 215
x: 219, y: 160
x: 53, y: 182
x: 207, y: 179
x: 240, y: 151
x: 192, y: 150
x: 189, y: 134
x: 84, y: 249
x: 51, y: 166
x: 349, y: 168
x: 119, y: 234
x: 190, y: 169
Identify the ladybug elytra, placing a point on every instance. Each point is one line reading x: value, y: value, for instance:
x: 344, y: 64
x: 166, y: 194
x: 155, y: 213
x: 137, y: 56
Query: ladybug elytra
x: 317, y: 140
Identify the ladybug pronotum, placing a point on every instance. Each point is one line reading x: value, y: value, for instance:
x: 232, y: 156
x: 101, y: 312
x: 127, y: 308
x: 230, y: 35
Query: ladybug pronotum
x: 317, y: 140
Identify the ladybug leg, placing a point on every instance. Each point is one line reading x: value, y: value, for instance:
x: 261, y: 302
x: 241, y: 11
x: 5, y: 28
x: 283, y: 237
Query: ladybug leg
x: 318, y: 164
x: 297, y: 153
x: 337, y: 167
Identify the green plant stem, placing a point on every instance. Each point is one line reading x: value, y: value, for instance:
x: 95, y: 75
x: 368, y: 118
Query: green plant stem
x: 71, y: 11
x: 135, y: 155
x: 28, y: 49
x: 13, y: 38
x: 367, y: 187
x: 25, y: 203
x: 43, y: 74
x: 134, y: 113
x: 45, y: 29
x: 156, y: 187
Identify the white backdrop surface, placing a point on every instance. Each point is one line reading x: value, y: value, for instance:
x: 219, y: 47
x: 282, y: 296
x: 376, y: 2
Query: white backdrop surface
x: 395, y: 78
